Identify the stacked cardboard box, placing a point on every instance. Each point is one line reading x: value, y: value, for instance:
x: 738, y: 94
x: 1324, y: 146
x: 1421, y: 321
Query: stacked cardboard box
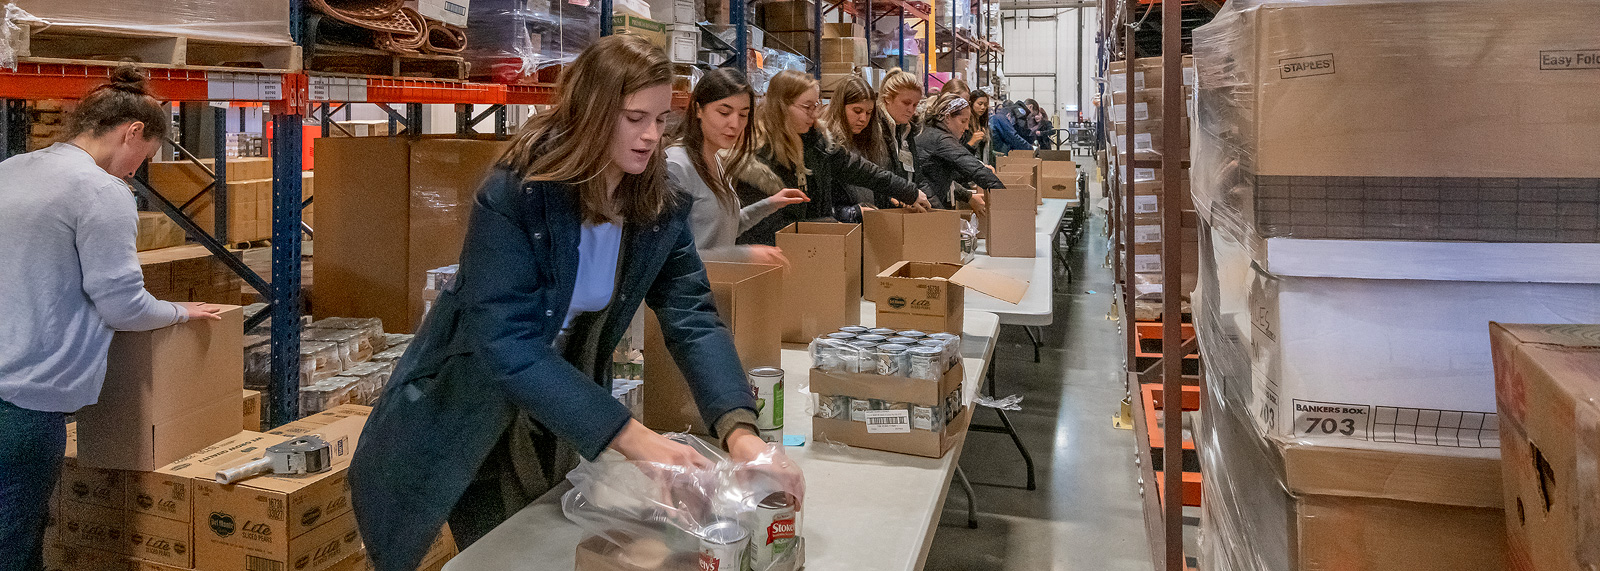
x: 157, y: 231
x: 392, y: 209
x: 189, y: 273
x: 896, y: 235
x: 789, y: 16
x: 249, y: 195
x: 649, y: 29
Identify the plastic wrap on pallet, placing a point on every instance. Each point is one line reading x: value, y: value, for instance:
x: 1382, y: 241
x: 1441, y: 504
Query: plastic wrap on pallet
x: 509, y: 41
x: 1470, y: 120
x: 252, y: 21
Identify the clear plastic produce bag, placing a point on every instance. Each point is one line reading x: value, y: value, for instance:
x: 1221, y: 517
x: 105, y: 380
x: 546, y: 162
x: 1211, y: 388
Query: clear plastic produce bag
x: 727, y: 517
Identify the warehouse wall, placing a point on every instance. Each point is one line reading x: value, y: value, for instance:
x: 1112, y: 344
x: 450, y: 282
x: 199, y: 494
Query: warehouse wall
x: 1042, y: 58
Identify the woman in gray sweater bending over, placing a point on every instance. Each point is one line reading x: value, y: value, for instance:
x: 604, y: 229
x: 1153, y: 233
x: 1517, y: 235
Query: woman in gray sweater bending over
x: 716, y: 141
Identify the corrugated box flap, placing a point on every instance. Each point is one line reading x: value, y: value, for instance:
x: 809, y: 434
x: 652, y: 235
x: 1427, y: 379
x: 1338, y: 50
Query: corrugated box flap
x: 990, y: 283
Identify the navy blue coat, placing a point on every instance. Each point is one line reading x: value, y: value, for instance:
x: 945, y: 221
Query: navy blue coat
x: 484, y: 354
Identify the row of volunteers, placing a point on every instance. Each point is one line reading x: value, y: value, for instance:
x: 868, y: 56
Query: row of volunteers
x: 507, y: 383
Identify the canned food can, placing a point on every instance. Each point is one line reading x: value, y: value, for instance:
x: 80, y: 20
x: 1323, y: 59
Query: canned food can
x: 856, y: 329
x: 859, y: 408
x: 892, y: 360
x: 722, y: 546
x: 944, y: 350
x: 774, y: 537
x: 926, y: 363
x: 898, y: 340
x: 944, y: 336
x: 858, y: 359
x: 842, y: 335
x: 767, y: 384
x: 872, y: 337
x: 922, y: 418
x: 914, y: 334
x: 884, y: 331
x: 825, y: 355
x: 834, y: 407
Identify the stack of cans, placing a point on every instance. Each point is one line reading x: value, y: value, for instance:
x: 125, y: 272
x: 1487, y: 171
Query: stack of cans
x: 886, y: 352
x: 630, y: 392
x: 930, y: 418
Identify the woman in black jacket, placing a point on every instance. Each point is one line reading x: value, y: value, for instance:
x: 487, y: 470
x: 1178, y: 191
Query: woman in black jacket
x: 945, y: 164
x: 794, y: 153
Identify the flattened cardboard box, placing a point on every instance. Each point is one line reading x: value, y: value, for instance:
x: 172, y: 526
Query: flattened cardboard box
x: 1547, y: 392
x: 749, y: 300
x: 167, y: 393
x: 931, y: 296
x: 895, y: 234
x: 892, y: 389
x: 822, y: 290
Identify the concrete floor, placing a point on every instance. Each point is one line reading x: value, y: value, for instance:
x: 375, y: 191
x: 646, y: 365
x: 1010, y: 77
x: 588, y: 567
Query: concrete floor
x: 1085, y: 514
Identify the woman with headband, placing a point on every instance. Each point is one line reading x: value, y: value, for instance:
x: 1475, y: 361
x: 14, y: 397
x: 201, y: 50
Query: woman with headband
x: 946, y: 165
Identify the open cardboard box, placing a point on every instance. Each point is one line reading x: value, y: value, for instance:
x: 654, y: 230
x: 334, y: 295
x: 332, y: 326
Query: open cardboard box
x: 931, y: 296
x: 896, y: 234
x: 749, y: 300
x: 822, y: 290
x: 1058, y: 179
x: 1010, y: 228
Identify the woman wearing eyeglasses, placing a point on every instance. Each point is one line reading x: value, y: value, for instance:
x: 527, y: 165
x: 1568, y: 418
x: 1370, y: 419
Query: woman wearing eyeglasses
x: 793, y: 153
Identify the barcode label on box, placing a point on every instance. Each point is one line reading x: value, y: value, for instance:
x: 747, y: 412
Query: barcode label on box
x: 253, y: 563
x: 888, y: 421
x: 1147, y: 263
x: 1119, y: 80
x: 1145, y: 204
x: 1143, y: 142
x: 1146, y: 233
x: 1141, y: 112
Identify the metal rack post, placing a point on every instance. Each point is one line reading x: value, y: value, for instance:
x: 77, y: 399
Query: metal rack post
x: 901, y: 30
x: 605, y: 18
x: 741, y: 35
x: 816, y: 39
x: 1172, y: 350
x: 219, y: 188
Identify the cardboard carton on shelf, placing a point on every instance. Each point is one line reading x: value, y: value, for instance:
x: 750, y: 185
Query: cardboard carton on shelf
x: 646, y: 28
x: 853, y: 50
x: 749, y: 299
x: 1010, y: 228
x: 167, y: 393
x: 789, y: 16
x: 836, y: 68
x: 800, y: 43
x: 832, y: 81
x: 842, y: 30
x: 157, y: 231
x: 930, y: 296
x: 1548, y: 395
x: 892, y: 235
x: 822, y: 290
x: 252, y: 410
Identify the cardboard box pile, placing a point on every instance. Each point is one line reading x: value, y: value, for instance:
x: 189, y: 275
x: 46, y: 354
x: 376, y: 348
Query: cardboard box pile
x: 899, y: 437
x: 1547, y: 385
x: 822, y: 290
x: 789, y: 16
x: 391, y: 209
x: 801, y: 43
x: 249, y: 194
x: 189, y: 273
x: 750, y: 299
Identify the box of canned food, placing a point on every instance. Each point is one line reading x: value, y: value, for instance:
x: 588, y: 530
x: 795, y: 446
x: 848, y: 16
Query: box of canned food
x: 920, y: 409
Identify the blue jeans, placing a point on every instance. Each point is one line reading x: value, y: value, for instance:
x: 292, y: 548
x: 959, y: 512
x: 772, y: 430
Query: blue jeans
x: 32, y: 444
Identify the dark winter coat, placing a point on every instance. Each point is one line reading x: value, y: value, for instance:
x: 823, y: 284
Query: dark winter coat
x: 942, y: 160
x: 829, y: 167
x: 484, y: 355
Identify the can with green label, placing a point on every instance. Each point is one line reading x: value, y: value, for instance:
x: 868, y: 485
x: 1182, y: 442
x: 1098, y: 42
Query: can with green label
x: 767, y: 385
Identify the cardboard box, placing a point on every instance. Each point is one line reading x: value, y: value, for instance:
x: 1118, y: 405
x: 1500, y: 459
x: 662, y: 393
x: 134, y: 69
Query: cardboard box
x: 822, y: 290
x: 649, y: 29
x: 1010, y: 231
x: 930, y: 296
x: 836, y: 68
x: 453, y: 12
x: 189, y: 273
x: 852, y: 50
x: 252, y: 410
x: 93, y: 486
x: 66, y: 557
x: 359, y: 275
x: 321, y: 548
x: 789, y: 16
x: 368, y: 128
x: 831, y: 81
x: 894, y: 234
x: 1058, y: 179
x: 157, y: 231
x: 749, y: 300
x: 1548, y: 397
x: 167, y: 393
x: 842, y: 30
x: 801, y: 43
x: 122, y: 532
x: 441, y: 552
x: 896, y: 390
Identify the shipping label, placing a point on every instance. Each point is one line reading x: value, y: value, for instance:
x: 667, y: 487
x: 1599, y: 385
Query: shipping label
x: 1290, y: 68
x: 1147, y: 263
x: 1143, y: 142
x: 888, y: 421
x: 1146, y: 204
x: 1146, y: 233
x: 1569, y: 59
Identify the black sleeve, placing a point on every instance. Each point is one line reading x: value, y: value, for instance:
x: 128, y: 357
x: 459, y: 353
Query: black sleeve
x: 966, y: 166
x: 850, y: 168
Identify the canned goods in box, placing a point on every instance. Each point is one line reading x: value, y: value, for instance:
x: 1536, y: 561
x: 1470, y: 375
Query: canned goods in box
x: 859, y: 408
x: 927, y: 418
x: 767, y: 384
x: 722, y: 546
x: 926, y: 363
x: 842, y: 335
x: 858, y: 358
x: 856, y: 329
x: 914, y: 334
x: 825, y: 354
x: 892, y: 360
x: 775, y: 534
x: 834, y: 407
x: 897, y: 340
x: 872, y: 337
x: 884, y: 331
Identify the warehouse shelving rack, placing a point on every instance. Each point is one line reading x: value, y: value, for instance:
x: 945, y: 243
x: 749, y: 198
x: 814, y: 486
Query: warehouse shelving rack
x: 870, y: 12
x: 1162, y: 356
x: 291, y: 96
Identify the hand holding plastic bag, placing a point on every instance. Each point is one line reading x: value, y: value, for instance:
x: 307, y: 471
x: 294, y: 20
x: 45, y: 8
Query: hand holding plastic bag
x: 671, y: 517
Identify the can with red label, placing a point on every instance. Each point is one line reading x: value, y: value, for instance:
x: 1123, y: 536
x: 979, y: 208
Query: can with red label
x: 775, y: 534
x: 722, y: 546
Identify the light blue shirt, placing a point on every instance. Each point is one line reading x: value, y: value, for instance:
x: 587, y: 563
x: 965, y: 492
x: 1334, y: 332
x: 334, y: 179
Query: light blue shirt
x: 71, y: 278
x: 599, y: 247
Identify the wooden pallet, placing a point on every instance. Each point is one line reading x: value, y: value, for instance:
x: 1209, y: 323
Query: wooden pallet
x: 368, y: 61
x: 101, y: 46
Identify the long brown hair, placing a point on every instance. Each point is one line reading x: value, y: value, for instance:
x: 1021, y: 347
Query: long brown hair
x: 717, y: 85
x: 125, y: 99
x: 955, y: 85
x: 772, y: 124
x: 869, y: 142
x: 561, y: 144
x: 895, y: 81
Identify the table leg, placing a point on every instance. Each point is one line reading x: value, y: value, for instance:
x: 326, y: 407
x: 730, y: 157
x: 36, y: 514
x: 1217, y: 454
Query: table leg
x: 1008, y: 429
x: 972, y: 498
x: 1036, y: 343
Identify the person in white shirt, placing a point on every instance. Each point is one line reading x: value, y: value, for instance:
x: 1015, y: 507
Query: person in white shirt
x: 67, y: 231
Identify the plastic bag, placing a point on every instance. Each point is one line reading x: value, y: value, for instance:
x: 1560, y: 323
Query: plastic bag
x: 674, y: 517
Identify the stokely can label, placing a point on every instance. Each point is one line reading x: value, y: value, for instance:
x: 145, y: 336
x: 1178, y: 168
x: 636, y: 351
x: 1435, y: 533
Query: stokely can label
x: 775, y: 535
x: 767, y: 384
